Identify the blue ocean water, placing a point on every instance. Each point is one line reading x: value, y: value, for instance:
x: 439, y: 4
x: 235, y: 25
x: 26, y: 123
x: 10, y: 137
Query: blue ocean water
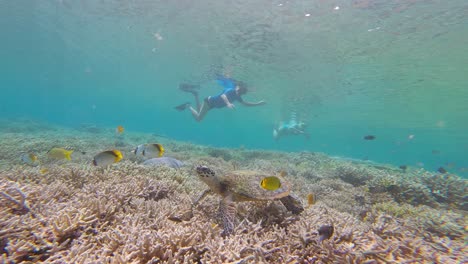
x: 392, y: 69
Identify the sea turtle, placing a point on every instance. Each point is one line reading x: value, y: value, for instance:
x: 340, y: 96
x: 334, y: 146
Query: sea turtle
x: 244, y: 185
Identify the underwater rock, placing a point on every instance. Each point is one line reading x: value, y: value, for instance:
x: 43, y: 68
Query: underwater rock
x: 164, y: 161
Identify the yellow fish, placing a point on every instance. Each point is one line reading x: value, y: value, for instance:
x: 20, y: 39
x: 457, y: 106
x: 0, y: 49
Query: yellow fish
x: 271, y: 183
x: 44, y: 170
x: 153, y: 150
x: 311, y: 199
x: 60, y: 153
x: 30, y: 159
x: 107, y: 157
x: 119, y: 129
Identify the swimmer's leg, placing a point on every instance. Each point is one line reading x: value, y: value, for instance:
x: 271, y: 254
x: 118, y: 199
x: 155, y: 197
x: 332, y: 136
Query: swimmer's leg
x: 189, y: 88
x: 199, y: 115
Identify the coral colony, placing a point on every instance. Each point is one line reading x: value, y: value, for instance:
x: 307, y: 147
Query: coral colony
x: 73, y: 212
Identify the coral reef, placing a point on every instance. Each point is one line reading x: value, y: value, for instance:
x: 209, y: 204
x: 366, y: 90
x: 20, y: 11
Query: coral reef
x: 73, y: 212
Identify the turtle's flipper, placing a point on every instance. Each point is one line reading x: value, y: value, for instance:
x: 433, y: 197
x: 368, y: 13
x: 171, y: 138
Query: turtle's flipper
x: 227, y: 212
x: 292, y: 203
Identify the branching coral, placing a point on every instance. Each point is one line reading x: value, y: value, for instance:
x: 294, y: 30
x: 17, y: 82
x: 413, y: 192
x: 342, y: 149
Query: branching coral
x: 355, y: 175
x: 448, y: 189
x: 68, y: 225
x: 13, y: 198
x: 128, y: 213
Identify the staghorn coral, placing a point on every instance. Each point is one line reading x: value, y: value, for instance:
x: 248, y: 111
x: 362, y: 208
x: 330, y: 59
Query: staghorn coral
x: 125, y: 213
x: 68, y: 224
x: 13, y: 198
x: 447, y: 188
x: 357, y: 176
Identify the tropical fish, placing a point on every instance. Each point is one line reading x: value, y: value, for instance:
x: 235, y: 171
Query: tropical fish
x: 369, y: 137
x: 60, y: 153
x: 271, y: 183
x: 283, y: 173
x: 153, y: 150
x: 107, y: 157
x: 442, y: 170
x: 30, y: 159
x: 139, y: 149
x: 403, y: 167
x: 325, y: 232
x: 119, y: 130
x: 435, y: 151
x: 43, y: 171
x: 311, y: 199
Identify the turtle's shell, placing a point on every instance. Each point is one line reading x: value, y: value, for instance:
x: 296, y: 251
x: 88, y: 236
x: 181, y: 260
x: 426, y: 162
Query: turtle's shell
x: 245, y: 185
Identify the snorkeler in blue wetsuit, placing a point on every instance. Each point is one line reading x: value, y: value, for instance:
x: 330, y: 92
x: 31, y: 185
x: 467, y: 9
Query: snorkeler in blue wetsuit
x: 233, y: 91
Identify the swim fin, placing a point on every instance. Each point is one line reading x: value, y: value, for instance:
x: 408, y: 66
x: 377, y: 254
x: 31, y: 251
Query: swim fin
x: 189, y: 88
x: 182, y: 107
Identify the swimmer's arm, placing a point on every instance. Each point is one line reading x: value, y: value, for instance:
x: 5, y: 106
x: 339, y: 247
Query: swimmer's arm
x: 261, y: 102
x: 226, y: 101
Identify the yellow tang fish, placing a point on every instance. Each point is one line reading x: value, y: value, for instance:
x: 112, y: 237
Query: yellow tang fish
x: 44, y: 170
x: 60, y: 153
x: 119, y: 129
x: 153, y: 150
x: 271, y: 183
x: 30, y: 159
x: 107, y: 157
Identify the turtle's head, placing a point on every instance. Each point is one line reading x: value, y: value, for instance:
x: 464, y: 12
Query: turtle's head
x: 207, y: 175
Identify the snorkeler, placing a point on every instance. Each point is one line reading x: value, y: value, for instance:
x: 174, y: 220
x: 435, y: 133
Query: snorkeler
x: 233, y: 91
x: 290, y: 128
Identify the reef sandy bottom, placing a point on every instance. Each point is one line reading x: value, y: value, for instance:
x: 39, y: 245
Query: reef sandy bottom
x: 73, y: 212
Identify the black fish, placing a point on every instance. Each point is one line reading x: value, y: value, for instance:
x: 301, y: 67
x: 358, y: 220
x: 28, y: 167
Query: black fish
x: 435, y: 151
x: 369, y: 137
x: 442, y: 170
x: 325, y: 232
x: 403, y: 167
